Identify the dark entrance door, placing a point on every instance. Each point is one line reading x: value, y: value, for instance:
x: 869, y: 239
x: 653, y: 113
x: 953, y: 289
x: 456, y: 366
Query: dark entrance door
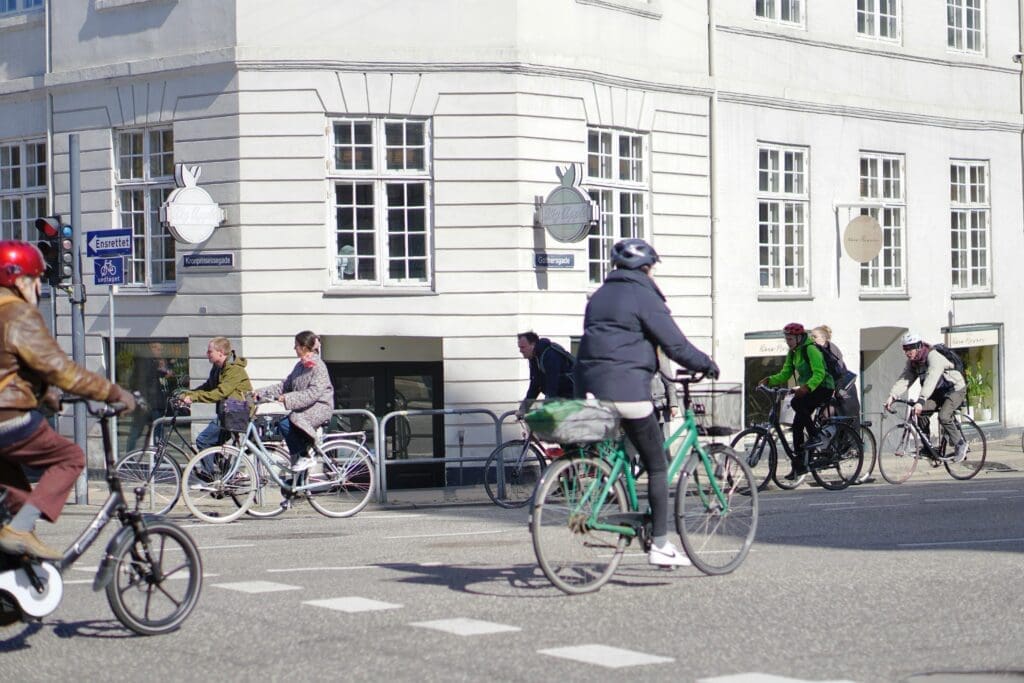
x: 385, y: 387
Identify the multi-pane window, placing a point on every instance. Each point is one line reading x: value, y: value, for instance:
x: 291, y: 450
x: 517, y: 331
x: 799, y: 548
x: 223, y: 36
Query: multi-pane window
x: 145, y: 178
x: 782, y: 11
x: 381, y: 174
x: 878, y: 19
x: 783, y: 207
x: 9, y: 6
x: 964, y: 25
x: 22, y: 189
x: 969, y: 224
x: 881, y: 189
x: 617, y: 182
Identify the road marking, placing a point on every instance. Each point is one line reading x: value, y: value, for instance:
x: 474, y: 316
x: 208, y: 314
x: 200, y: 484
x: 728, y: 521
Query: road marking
x: 838, y: 502
x: 466, y: 627
x: 257, y: 586
x: 457, y: 533
x: 755, y: 677
x: 321, y: 569
x: 605, y: 655
x: 352, y: 604
x: 389, y: 515
x: 950, y: 500
x: 221, y: 547
x: 941, y: 543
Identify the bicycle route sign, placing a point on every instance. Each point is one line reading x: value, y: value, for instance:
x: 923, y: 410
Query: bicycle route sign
x: 108, y: 271
x: 116, y: 242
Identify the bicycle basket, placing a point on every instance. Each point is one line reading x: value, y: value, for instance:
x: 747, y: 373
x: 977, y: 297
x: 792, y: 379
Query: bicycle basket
x: 573, y: 421
x: 236, y: 415
x: 718, y: 408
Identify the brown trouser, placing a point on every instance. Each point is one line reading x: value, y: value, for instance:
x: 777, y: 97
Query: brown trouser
x: 63, y: 461
x: 950, y: 403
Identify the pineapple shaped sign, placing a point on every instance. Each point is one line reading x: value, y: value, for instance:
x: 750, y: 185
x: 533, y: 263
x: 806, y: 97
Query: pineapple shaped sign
x: 189, y: 212
x: 568, y: 211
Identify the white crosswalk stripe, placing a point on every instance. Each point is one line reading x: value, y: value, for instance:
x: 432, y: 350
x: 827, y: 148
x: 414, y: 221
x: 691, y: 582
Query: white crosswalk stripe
x: 257, y: 586
x: 605, y: 655
x: 352, y: 604
x: 466, y: 627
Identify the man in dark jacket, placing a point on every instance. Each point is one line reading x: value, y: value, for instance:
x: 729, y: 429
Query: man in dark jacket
x: 551, y: 369
x: 625, y: 323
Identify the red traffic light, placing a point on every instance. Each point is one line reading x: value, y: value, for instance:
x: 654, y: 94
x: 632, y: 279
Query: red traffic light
x: 49, y: 226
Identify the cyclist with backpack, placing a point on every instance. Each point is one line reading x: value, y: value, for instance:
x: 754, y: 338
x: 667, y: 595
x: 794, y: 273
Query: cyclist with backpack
x: 943, y: 387
x: 846, y: 401
x: 551, y: 369
x: 815, y: 387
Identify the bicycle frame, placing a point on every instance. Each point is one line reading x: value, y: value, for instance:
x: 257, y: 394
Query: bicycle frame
x: 909, y: 420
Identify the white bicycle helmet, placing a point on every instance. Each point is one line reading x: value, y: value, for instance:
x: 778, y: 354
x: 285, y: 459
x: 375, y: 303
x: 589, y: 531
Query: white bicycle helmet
x: 911, y: 340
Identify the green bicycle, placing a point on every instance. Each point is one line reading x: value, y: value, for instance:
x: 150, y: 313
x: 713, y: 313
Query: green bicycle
x: 586, y: 509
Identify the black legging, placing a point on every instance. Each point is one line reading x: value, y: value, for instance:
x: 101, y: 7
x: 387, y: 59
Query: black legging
x: 803, y: 407
x: 646, y: 436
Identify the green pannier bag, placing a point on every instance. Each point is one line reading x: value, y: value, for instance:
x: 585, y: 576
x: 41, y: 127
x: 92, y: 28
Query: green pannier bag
x: 573, y: 421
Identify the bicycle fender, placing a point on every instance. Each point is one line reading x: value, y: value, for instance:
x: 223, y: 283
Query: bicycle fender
x: 105, y: 572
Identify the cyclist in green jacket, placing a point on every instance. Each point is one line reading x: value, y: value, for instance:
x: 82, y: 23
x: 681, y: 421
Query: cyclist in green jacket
x: 815, y: 387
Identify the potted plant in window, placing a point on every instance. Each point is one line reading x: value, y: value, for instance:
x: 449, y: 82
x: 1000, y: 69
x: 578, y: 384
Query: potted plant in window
x: 979, y: 390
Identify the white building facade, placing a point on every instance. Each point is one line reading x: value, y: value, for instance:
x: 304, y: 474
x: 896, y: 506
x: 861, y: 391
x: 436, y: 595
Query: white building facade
x: 379, y: 168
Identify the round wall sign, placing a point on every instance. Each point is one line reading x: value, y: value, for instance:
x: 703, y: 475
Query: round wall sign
x: 567, y: 212
x: 862, y: 238
x: 189, y: 212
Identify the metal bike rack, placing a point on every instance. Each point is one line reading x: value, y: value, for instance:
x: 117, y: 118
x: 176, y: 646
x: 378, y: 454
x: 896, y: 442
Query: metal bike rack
x: 382, y: 494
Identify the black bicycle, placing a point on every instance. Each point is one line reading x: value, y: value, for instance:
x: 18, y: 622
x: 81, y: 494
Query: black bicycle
x: 151, y: 570
x: 158, y: 467
x: 905, y: 444
x: 834, y: 453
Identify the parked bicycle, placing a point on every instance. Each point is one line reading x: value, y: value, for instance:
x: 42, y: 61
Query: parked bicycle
x: 513, y: 469
x: 834, y: 452
x: 586, y: 510
x: 905, y: 444
x: 255, y: 478
x: 151, y: 569
x: 157, y: 467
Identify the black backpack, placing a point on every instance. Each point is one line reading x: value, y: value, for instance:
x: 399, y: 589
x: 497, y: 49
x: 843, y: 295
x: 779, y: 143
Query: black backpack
x: 836, y: 368
x: 952, y: 356
x: 567, y: 377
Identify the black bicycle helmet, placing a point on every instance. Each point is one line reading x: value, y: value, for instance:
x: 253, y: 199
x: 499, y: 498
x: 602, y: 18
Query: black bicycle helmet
x: 633, y: 253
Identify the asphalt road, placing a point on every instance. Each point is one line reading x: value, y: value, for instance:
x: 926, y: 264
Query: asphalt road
x: 875, y: 583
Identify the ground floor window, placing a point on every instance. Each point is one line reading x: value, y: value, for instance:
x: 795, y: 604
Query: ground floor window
x: 155, y: 368
x: 979, y: 348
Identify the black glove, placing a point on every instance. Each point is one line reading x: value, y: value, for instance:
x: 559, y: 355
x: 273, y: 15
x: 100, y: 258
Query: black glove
x: 123, y: 396
x: 712, y: 372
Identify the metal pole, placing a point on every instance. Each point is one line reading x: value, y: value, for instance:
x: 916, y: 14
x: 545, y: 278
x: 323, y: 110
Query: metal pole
x: 112, y: 369
x: 78, y: 305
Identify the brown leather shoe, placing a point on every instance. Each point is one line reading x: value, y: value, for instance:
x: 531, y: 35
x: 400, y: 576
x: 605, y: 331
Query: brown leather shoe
x: 26, y: 543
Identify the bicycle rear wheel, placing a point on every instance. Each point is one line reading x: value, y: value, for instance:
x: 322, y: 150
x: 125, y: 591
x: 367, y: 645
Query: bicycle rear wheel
x: 522, y: 469
x: 898, y: 453
x: 159, y: 475
x: 218, y: 484
x: 977, y: 449
x: 716, y: 533
x: 842, y: 460
x: 349, y: 478
x: 757, y: 448
x: 268, y: 499
x: 867, y: 437
x: 155, y: 584
x: 576, y: 557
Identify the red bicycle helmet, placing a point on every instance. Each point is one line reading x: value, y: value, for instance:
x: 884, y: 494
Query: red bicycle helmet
x: 794, y: 328
x: 19, y: 258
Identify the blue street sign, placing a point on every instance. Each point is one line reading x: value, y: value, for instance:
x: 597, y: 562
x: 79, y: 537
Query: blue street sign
x: 108, y: 271
x: 109, y: 242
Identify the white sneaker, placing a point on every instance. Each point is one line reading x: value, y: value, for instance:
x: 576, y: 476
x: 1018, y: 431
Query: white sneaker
x: 960, y: 454
x: 302, y: 464
x: 667, y: 556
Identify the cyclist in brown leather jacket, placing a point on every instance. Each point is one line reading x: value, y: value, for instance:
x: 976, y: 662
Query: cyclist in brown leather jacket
x: 31, y: 361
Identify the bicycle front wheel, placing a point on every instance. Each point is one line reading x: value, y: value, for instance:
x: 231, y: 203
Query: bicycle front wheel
x: 348, y: 477
x: 160, y: 476
x: 576, y: 556
x: 867, y: 437
x: 716, y: 514
x: 842, y: 460
x: 156, y: 582
x: 522, y: 467
x: 757, y: 448
x: 268, y: 499
x: 898, y: 453
x: 218, y: 484
x: 977, y: 449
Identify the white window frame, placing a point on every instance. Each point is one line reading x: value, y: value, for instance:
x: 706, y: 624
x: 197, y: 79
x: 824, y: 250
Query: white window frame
x: 380, y: 179
x: 871, y: 16
x: 623, y: 201
x: 883, y: 193
x: 970, y: 223
x: 153, y: 182
x: 783, y: 220
x: 773, y: 11
x: 14, y: 6
x: 958, y: 34
x: 23, y: 198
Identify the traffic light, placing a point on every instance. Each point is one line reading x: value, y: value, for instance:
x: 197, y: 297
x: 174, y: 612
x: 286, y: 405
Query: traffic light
x: 58, y: 249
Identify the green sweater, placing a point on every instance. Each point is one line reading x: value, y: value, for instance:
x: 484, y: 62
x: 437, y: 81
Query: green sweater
x: 229, y: 381
x: 809, y: 364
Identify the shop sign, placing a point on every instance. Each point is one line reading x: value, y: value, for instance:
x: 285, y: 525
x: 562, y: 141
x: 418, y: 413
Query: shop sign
x: 568, y: 211
x: 189, y: 212
x: 971, y: 339
x: 862, y: 238
x: 760, y: 348
x: 546, y: 260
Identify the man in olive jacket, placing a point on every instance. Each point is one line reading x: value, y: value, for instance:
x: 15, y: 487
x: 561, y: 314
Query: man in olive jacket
x: 228, y: 379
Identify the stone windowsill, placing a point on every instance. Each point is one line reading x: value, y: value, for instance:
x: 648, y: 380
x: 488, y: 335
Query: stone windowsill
x: 20, y: 20
x: 101, y: 5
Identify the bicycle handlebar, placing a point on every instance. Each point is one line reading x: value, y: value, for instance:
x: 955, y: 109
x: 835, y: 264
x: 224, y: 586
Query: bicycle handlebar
x: 102, y: 409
